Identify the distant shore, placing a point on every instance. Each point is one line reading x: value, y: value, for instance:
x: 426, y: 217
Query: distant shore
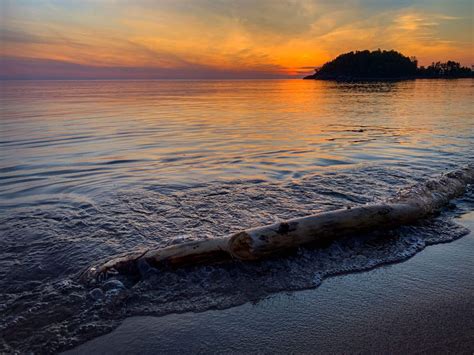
x: 386, y: 66
x: 362, y: 78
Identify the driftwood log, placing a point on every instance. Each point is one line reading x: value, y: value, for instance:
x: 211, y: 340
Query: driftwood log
x: 412, y: 204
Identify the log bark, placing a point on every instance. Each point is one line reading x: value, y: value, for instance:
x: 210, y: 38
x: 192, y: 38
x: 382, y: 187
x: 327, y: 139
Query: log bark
x: 417, y: 202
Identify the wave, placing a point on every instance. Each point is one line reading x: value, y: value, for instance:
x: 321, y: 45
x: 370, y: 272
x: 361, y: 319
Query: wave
x: 252, y: 244
x: 45, y: 309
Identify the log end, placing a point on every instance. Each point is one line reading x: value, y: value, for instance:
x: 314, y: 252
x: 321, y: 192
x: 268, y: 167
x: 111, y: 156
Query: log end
x: 240, y: 246
x: 124, y: 264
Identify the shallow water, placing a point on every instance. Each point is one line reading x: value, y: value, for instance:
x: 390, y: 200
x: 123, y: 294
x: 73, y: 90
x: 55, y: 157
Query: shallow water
x: 425, y: 304
x: 90, y: 169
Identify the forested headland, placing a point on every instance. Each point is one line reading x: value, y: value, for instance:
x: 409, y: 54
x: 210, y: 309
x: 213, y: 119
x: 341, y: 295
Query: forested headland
x: 386, y: 65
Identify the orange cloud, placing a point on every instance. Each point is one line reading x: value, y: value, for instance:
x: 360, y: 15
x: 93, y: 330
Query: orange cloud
x: 263, y: 36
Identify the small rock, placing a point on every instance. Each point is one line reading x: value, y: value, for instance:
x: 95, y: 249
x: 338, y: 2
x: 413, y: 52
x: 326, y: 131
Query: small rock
x: 96, y: 294
x: 113, y: 284
x: 112, y: 293
x: 144, y: 268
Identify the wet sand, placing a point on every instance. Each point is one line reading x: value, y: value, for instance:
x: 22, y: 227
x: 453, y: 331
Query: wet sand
x: 425, y: 304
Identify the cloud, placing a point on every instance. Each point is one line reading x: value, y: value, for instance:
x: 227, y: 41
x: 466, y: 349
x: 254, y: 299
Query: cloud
x: 283, y: 37
x: 38, y: 69
x: 7, y: 35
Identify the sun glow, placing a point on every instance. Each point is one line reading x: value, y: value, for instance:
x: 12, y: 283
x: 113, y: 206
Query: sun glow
x: 199, y: 38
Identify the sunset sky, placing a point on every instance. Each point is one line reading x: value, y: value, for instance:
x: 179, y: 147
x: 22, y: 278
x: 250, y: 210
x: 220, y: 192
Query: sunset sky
x: 220, y: 39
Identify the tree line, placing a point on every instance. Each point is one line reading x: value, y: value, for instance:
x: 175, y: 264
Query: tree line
x: 385, y: 65
x: 450, y: 69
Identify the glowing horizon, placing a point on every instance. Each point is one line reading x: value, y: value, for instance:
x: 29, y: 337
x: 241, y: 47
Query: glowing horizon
x: 220, y: 39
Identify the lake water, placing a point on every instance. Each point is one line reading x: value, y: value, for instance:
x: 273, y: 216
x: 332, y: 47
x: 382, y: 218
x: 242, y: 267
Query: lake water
x: 91, y: 169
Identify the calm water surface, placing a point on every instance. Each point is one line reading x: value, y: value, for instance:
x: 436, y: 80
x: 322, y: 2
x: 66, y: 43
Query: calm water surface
x: 89, y: 137
x: 91, y: 169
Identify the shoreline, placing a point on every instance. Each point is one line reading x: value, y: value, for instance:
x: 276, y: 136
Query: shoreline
x: 424, y: 304
x: 373, y: 79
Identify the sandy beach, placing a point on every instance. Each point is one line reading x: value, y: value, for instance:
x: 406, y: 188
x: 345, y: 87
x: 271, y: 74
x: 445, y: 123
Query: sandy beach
x: 425, y: 304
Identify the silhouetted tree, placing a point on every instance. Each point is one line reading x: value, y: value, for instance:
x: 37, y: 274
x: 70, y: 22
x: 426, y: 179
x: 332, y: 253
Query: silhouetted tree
x: 450, y: 69
x: 384, y: 65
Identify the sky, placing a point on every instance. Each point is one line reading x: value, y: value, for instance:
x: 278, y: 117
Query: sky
x: 211, y: 39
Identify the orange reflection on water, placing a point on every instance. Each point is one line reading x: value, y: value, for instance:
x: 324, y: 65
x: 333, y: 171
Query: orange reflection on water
x: 82, y: 135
